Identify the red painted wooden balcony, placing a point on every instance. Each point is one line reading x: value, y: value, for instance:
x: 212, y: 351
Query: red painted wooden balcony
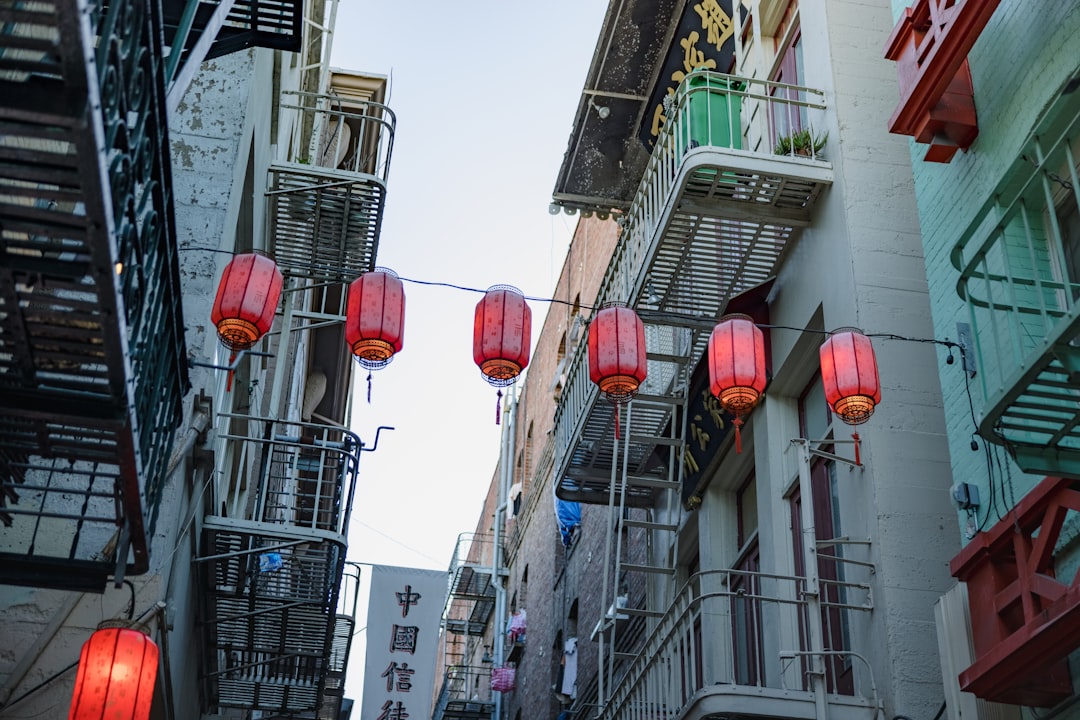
x: 1024, y: 620
x: 930, y: 45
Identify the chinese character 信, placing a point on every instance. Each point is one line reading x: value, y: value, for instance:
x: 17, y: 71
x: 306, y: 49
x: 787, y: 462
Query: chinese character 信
x: 403, y: 675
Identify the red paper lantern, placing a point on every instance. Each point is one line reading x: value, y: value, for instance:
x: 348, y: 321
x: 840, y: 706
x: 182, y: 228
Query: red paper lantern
x: 502, y: 333
x: 850, y: 376
x: 737, y: 363
x: 375, y: 318
x: 617, y: 361
x: 737, y: 367
x: 247, y: 298
x: 117, y: 672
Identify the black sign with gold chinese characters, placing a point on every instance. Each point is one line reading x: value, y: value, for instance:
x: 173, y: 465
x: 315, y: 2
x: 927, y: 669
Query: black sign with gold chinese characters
x: 707, y: 427
x: 705, y: 39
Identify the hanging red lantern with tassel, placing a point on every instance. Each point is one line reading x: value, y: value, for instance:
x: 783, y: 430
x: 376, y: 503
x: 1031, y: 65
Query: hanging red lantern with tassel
x: 502, y: 335
x: 617, y: 362
x: 247, y: 298
x: 375, y: 319
x: 117, y: 673
x: 737, y: 367
x: 849, y: 375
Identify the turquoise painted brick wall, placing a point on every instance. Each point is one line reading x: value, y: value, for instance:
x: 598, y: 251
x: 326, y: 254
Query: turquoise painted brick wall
x: 1020, y: 63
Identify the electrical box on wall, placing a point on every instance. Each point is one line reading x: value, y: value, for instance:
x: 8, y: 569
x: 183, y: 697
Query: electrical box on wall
x: 965, y: 496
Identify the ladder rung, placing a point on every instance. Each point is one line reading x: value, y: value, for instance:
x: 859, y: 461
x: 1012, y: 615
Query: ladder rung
x: 662, y: 400
x: 625, y: 655
x: 640, y: 612
x: 660, y: 483
x: 668, y: 357
x: 647, y: 568
x: 649, y: 525
x: 652, y: 439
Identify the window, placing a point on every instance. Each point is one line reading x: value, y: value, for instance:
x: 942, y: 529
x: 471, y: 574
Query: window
x: 815, y: 424
x: 787, y: 118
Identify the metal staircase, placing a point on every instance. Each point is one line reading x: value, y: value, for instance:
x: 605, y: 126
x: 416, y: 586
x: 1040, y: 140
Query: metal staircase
x: 714, y: 216
x: 92, y: 356
x: 270, y: 586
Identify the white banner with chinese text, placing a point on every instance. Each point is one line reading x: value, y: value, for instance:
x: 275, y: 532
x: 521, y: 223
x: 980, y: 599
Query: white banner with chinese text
x: 404, y: 611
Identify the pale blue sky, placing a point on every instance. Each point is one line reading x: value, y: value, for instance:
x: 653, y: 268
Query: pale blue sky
x: 485, y: 93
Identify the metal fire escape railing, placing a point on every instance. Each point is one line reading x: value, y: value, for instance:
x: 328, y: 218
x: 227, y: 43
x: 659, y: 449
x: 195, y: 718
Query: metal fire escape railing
x: 730, y: 636
x: 272, y: 624
x: 92, y: 368
x: 471, y: 596
x: 465, y: 694
x: 340, y: 645
x: 199, y: 30
x: 326, y: 202
x: 1019, y: 264
x: 715, y: 213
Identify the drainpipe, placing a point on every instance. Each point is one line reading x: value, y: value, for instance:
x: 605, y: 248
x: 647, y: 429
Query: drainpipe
x: 506, y: 469
x: 813, y: 589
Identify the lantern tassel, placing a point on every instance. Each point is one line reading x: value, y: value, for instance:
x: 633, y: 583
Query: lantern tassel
x: 855, y: 437
x: 737, y: 422
x: 498, y: 406
x: 616, y: 421
x: 369, y: 387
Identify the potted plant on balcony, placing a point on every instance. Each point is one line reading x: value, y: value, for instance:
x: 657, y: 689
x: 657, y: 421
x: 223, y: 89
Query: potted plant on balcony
x: 801, y: 142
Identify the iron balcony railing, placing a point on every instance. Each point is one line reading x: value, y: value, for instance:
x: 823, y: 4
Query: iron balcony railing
x: 736, y: 642
x: 1019, y: 264
x: 326, y: 198
x: 92, y: 357
x: 715, y: 213
x: 344, y: 628
x: 271, y: 577
x: 471, y: 595
x: 465, y: 694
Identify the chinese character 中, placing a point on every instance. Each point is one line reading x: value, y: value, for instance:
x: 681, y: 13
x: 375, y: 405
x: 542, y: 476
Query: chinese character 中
x: 403, y: 638
x: 407, y: 599
x: 403, y: 675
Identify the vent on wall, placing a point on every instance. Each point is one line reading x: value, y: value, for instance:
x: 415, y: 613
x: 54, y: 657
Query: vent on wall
x: 954, y: 646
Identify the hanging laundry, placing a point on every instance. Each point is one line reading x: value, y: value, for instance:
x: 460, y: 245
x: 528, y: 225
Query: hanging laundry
x: 569, y: 671
x: 515, y: 628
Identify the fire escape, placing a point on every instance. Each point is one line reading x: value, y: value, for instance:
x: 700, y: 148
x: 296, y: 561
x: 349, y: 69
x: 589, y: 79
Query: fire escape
x: 474, y: 571
x: 1018, y: 277
x: 92, y: 356
x: 714, y: 216
x: 277, y: 617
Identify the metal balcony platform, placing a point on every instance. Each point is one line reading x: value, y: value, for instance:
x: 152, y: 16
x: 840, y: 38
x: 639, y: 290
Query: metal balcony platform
x: 325, y: 223
x: 268, y: 598
x: 465, y: 694
x: 1024, y: 303
x: 470, y: 599
x: 274, y: 613
x: 326, y: 203
x: 710, y: 221
x: 273, y: 24
x: 92, y: 357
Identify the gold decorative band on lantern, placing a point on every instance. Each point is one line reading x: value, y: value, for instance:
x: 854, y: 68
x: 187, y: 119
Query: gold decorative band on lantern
x: 499, y: 372
x: 373, y: 353
x: 619, y: 388
x: 855, y: 409
x: 739, y: 400
x: 237, y: 334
